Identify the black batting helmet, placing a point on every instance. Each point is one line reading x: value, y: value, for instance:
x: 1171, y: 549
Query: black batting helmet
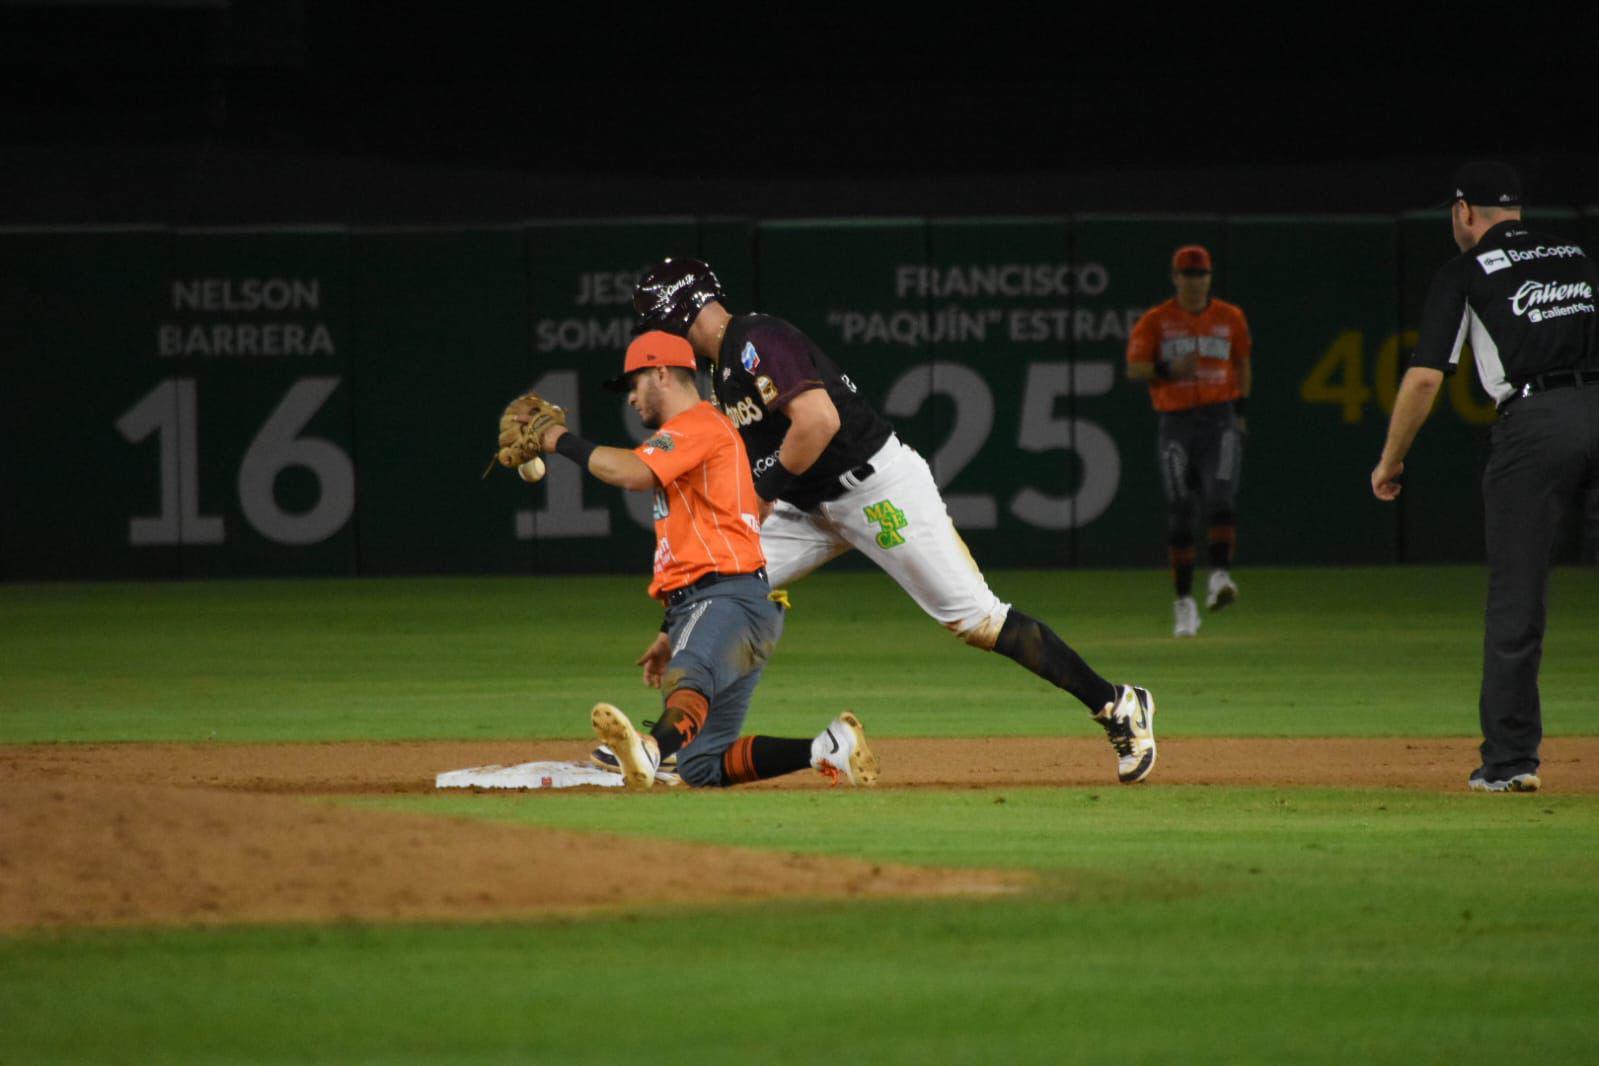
x: 670, y: 294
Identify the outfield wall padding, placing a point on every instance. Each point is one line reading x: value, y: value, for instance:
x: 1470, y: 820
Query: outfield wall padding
x: 321, y: 401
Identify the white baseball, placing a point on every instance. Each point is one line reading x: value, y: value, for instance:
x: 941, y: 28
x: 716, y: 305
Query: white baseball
x: 532, y: 470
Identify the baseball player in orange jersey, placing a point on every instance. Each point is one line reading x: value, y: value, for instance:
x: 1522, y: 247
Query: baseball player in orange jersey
x: 1193, y: 351
x: 834, y: 477
x: 721, y: 621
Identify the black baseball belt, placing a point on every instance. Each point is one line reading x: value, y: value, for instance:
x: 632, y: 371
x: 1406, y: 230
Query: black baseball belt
x: 677, y: 596
x: 1554, y: 379
x: 846, y: 481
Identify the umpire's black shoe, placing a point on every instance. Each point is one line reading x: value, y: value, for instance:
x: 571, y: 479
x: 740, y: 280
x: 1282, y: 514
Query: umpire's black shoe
x: 1479, y: 781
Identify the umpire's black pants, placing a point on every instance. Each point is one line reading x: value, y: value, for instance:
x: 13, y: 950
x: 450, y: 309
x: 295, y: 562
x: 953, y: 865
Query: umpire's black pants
x: 1545, y: 454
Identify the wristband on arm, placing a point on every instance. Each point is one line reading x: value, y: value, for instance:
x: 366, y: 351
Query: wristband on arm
x: 575, y: 448
x: 773, y: 480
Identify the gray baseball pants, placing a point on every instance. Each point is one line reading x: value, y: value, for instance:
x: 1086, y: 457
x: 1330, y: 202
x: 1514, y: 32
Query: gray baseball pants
x: 721, y: 639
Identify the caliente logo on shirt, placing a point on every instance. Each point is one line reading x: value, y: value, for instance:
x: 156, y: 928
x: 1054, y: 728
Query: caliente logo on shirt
x: 1533, y: 298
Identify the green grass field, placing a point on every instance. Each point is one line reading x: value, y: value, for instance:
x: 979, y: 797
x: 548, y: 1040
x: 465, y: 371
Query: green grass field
x: 1166, y: 923
x: 1371, y: 652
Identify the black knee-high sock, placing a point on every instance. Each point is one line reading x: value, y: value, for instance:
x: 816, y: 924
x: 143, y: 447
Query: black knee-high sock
x: 1181, y: 551
x: 756, y: 758
x: 1035, y: 646
x: 1223, y: 539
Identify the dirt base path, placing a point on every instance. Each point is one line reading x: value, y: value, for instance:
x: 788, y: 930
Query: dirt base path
x: 1570, y: 764
x: 119, y: 834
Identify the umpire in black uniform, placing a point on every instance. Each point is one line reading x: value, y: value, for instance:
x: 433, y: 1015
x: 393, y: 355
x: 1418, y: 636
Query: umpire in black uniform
x: 1525, y: 301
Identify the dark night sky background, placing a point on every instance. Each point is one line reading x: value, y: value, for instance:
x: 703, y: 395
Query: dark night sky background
x: 271, y: 110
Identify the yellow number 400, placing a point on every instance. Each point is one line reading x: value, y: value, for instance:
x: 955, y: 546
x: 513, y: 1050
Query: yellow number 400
x: 1339, y: 378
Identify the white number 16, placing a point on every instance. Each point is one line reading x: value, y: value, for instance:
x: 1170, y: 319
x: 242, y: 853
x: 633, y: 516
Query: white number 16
x: 171, y: 411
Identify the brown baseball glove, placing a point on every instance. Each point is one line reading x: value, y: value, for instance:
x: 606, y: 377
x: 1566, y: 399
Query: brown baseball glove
x: 522, y: 427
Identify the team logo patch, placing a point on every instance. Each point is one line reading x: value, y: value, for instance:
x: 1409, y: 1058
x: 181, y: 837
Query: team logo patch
x: 764, y: 386
x: 727, y: 372
x: 749, y: 358
x: 662, y: 441
x: 1493, y: 261
x: 890, y: 520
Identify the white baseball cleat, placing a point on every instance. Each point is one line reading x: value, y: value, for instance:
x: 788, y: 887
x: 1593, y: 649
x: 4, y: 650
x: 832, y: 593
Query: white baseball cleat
x: 638, y: 756
x: 1185, y: 618
x: 1222, y: 590
x: 1129, y: 724
x: 841, y: 750
x: 603, y: 758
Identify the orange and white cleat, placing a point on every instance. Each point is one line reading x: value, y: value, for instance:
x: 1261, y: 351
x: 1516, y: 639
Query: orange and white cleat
x: 840, y: 751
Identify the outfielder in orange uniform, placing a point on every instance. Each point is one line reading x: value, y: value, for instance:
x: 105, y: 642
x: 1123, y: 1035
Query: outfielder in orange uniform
x: 1193, y: 351
x: 721, y: 622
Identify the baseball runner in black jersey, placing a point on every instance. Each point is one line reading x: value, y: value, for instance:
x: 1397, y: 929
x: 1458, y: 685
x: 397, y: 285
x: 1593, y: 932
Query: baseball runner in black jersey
x: 834, y: 477
x: 1526, y: 302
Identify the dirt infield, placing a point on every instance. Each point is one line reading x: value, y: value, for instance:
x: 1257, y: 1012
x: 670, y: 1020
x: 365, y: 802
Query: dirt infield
x: 118, y: 834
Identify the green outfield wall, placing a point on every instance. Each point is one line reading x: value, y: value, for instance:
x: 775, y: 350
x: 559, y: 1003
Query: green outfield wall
x: 321, y: 401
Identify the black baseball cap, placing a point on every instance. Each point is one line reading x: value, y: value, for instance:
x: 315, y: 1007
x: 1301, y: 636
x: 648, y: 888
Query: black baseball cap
x: 1487, y: 183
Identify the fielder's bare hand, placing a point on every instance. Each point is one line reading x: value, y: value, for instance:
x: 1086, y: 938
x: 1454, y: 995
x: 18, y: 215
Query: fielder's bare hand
x: 550, y: 436
x: 1385, y: 480
x: 654, y: 660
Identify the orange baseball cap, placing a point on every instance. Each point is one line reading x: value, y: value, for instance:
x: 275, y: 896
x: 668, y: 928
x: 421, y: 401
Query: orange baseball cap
x: 1191, y: 257
x: 652, y: 349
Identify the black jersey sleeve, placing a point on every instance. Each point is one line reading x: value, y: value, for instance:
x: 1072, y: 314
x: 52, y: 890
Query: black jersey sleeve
x: 1445, y: 318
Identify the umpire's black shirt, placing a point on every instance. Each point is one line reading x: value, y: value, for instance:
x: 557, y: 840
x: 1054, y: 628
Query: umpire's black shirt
x: 1524, y: 300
